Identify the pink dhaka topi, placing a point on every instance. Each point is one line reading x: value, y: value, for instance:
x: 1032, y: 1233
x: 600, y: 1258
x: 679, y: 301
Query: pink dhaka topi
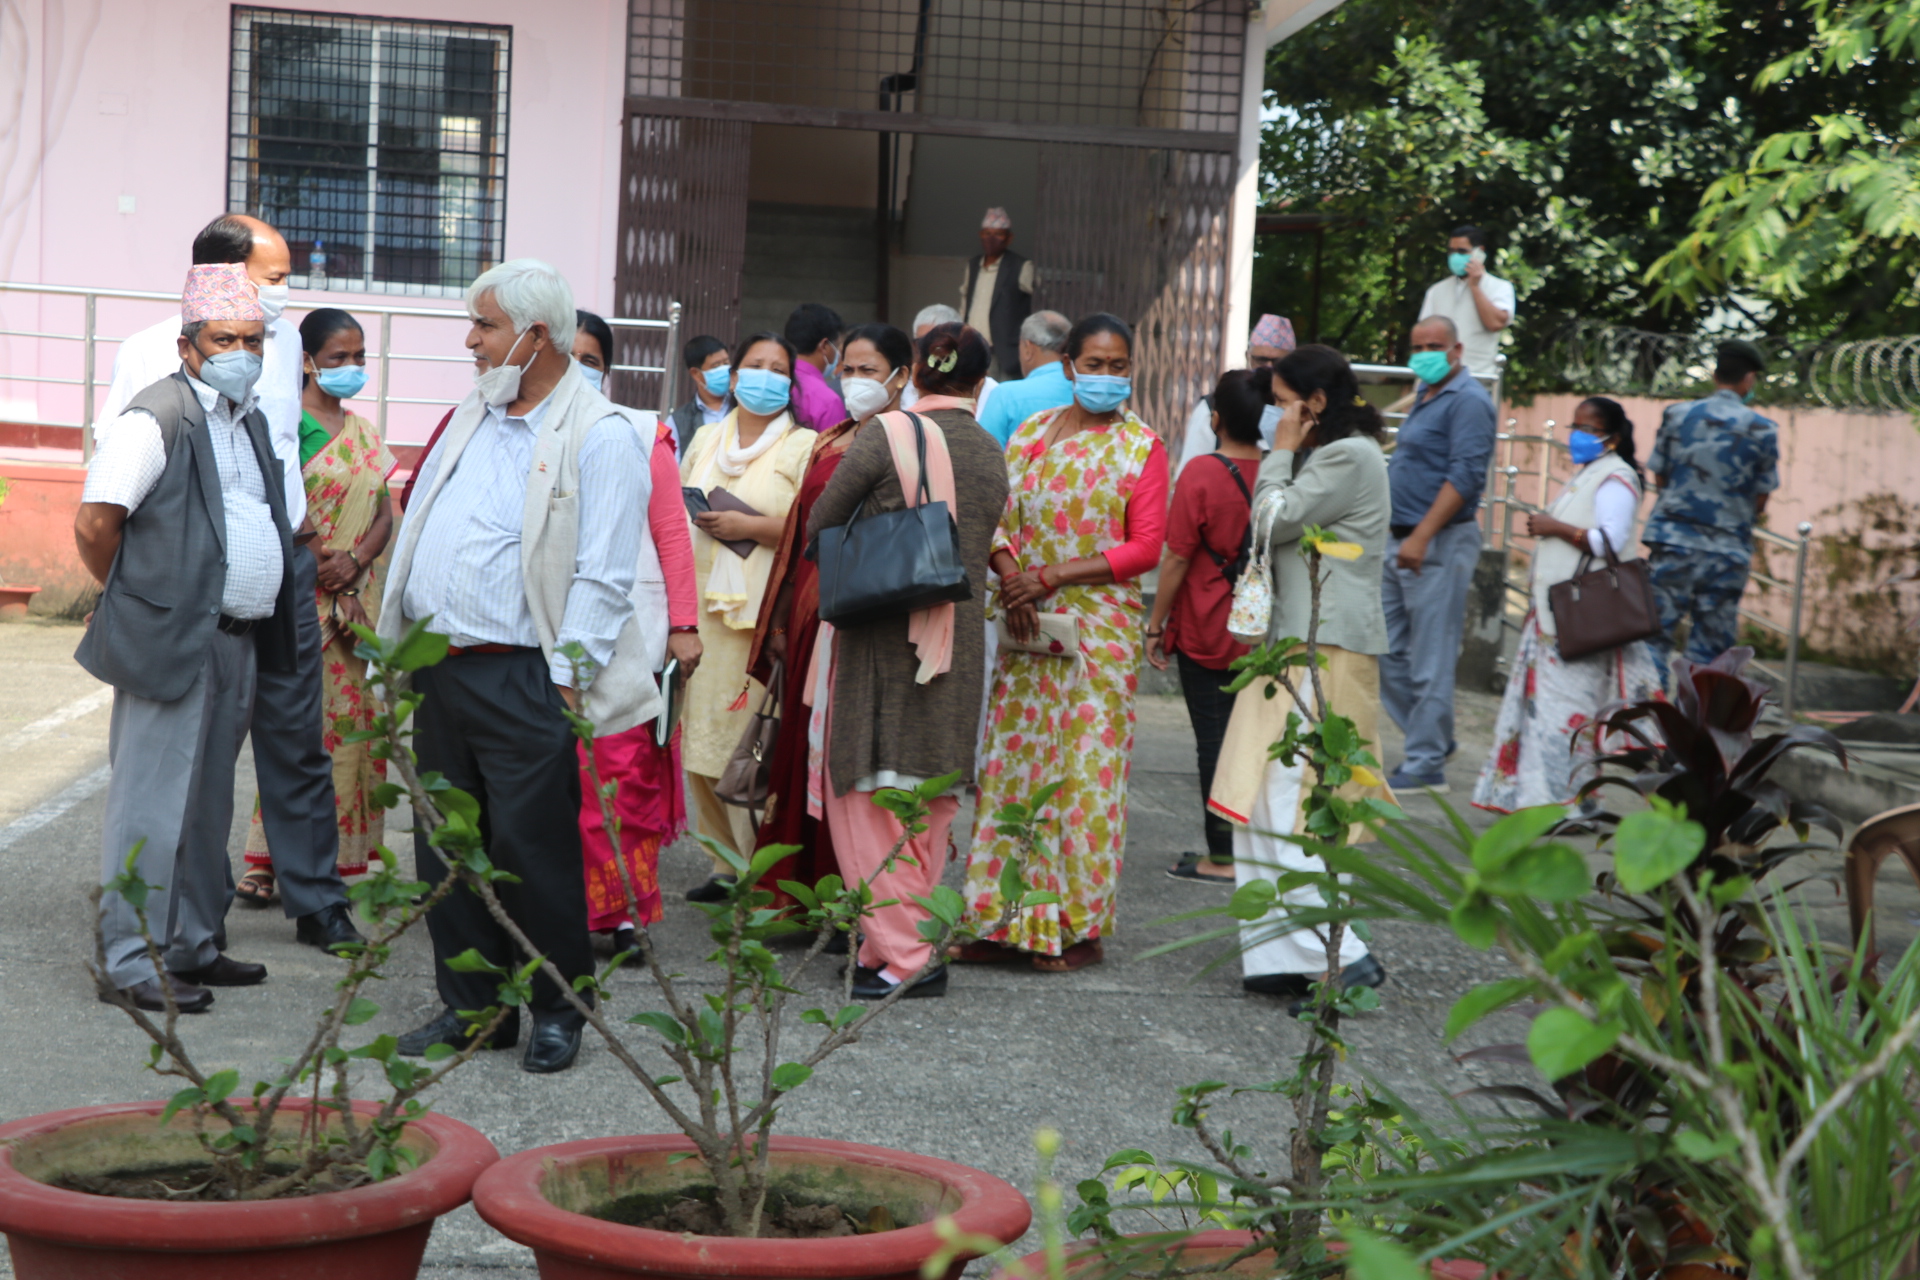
x: 996, y: 220
x: 1273, y: 331
x: 220, y: 291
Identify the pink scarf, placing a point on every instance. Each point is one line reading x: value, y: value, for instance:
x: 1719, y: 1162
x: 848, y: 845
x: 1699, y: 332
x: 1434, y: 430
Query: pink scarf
x: 930, y: 631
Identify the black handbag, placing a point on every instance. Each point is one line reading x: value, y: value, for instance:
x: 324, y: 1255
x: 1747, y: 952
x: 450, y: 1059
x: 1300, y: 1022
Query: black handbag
x: 1603, y: 609
x: 893, y: 563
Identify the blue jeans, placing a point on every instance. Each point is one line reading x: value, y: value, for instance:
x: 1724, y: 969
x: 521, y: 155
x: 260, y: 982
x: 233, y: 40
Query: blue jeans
x: 1703, y: 585
x: 1426, y: 616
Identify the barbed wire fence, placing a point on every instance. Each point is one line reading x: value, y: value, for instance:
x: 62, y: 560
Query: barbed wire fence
x: 1876, y: 374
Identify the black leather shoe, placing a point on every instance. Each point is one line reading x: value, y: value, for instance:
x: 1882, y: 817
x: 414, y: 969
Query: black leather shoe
x: 1364, y: 972
x: 1288, y: 986
x: 186, y: 997
x: 327, y: 928
x: 869, y: 985
x: 714, y: 890
x: 451, y: 1028
x: 225, y: 971
x: 552, y: 1047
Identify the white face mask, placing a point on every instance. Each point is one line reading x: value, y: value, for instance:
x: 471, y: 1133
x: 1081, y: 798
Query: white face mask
x: 864, y: 396
x: 273, y: 300
x: 500, y: 385
x: 1269, y: 419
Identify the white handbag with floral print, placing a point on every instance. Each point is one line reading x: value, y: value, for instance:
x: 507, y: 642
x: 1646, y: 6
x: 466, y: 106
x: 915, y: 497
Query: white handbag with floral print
x: 1252, y: 613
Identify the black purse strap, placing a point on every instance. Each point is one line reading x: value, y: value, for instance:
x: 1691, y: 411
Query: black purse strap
x: 1232, y: 569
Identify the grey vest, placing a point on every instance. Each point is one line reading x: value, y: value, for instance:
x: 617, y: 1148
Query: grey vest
x: 161, y: 603
x: 1007, y: 311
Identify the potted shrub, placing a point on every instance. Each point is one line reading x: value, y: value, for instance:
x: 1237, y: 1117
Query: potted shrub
x: 13, y: 598
x: 292, y: 1177
x: 724, y: 1195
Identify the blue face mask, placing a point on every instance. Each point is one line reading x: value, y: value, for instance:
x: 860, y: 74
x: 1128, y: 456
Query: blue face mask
x: 763, y: 391
x: 1584, y: 446
x: 1101, y: 392
x: 718, y: 379
x: 1748, y: 398
x: 343, y: 383
x: 596, y: 378
x: 1457, y: 263
x: 1430, y: 367
x: 232, y: 374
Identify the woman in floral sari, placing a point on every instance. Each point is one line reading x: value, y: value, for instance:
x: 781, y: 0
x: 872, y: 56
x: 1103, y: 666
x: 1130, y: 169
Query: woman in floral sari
x: 1087, y: 517
x: 346, y: 464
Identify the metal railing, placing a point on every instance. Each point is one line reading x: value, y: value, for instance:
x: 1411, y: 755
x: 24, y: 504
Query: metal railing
x: 1518, y: 577
x: 91, y: 339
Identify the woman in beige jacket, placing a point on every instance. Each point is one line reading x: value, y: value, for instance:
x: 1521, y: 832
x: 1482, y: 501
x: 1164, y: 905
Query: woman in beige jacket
x: 1326, y: 469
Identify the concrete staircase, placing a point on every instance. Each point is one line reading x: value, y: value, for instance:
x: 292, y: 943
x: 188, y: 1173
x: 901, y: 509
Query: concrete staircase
x: 807, y: 253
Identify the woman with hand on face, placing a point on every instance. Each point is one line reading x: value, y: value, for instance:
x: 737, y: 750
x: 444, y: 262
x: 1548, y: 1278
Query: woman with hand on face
x: 651, y: 800
x: 759, y: 455
x: 1542, y: 739
x: 345, y: 464
x: 873, y: 370
x: 1087, y: 516
x: 1326, y: 468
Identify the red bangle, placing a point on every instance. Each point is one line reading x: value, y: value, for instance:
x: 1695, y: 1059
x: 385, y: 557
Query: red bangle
x: 680, y: 631
x: 1041, y: 573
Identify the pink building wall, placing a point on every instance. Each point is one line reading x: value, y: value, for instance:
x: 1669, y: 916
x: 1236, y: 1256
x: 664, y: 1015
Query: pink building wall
x: 128, y: 98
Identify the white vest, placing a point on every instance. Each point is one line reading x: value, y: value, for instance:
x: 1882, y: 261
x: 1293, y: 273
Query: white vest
x: 623, y: 693
x: 1554, y: 559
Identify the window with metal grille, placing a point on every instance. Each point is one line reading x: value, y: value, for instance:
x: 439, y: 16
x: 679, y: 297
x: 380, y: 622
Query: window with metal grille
x: 377, y: 147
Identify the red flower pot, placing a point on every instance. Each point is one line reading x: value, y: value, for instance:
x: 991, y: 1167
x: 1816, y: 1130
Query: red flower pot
x: 539, y: 1198
x: 1204, y: 1247
x: 377, y: 1232
x: 15, y: 599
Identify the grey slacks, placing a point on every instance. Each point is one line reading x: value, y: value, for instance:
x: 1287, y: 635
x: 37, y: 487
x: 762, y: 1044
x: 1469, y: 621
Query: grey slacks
x: 293, y: 768
x: 172, y: 787
x: 1426, y: 616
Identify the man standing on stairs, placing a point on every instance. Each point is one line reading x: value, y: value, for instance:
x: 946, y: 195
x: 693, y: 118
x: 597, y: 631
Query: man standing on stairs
x: 813, y: 331
x: 996, y: 296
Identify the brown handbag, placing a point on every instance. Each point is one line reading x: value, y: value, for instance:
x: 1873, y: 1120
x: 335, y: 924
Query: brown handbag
x: 747, y: 777
x: 1604, y: 608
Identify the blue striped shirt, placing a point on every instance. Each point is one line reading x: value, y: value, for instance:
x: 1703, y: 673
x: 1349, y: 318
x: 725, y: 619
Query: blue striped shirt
x: 466, y: 568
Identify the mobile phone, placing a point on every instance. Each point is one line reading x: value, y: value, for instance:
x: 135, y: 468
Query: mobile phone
x: 695, y: 499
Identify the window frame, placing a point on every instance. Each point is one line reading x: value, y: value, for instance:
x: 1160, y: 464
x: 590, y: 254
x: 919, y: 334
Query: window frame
x: 244, y: 182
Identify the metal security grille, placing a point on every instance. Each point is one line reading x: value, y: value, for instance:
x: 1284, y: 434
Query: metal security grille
x: 683, y: 235
x: 376, y: 147
x: 1142, y: 64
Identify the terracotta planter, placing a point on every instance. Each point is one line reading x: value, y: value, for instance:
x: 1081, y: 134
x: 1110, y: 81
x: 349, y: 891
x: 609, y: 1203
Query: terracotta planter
x: 1205, y: 1247
x: 539, y: 1198
x: 14, y: 600
x: 370, y: 1233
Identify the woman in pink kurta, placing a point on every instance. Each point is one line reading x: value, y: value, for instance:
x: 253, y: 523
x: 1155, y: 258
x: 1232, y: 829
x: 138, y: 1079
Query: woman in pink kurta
x: 1087, y: 517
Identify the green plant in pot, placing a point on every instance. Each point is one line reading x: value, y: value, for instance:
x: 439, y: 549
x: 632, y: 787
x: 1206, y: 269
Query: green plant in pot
x: 724, y: 1191
x: 209, y: 1172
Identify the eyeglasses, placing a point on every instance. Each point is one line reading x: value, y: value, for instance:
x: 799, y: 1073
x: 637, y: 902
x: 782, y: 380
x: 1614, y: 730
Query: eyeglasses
x: 1262, y: 362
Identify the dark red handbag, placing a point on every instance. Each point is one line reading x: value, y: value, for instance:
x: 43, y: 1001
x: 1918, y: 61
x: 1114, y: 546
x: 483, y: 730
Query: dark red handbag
x: 1601, y: 609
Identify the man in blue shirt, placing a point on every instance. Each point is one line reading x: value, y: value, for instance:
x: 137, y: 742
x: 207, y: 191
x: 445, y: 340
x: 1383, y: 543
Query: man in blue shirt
x: 1715, y: 460
x: 1437, y: 471
x: 1043, y: 382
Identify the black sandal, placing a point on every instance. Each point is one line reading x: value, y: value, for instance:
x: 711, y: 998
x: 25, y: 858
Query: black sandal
x: 1188, y: 868
x: 257, y: 889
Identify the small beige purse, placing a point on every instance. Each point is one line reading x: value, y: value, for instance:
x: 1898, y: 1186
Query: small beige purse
x: 1251, y: 616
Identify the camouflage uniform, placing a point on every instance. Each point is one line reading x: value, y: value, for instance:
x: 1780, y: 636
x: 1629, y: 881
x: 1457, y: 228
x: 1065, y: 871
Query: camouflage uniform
x: 1712, y: 457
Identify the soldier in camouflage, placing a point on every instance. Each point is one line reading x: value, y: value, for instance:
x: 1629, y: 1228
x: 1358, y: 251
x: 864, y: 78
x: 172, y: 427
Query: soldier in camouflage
x: 1715, y: 461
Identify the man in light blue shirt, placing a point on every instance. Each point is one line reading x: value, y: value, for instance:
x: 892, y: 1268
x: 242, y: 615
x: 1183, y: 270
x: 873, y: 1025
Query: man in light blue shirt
x: 1043, y: 382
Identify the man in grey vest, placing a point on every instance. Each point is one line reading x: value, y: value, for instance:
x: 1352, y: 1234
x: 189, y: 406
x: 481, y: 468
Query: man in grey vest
x: 184, y: 523
x: 996, y: 296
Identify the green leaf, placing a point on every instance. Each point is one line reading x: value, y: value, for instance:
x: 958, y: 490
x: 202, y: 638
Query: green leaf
x: 1483, y: 1000
x: 848, y: 1015
x: 1252, y: 900
x: 1476, y: 921
x: 1695, y: 1145
x: 1503, y: 841
x: 221, y: 1084
x: 418, y: 648
x: 677, y: 1156
x: 665, y: 1025
x: 1562, y: 1041
x: 1132, y: 1155
x: 361, y: 1010
x: 791, y: 1075
x: 1040, y: 898
x: 1550, y: 872
x: 439, y: 1052
x: 471, y: 961
x: 1371, y: 1258
x: 184, y: 1098
x: 1654, y: 845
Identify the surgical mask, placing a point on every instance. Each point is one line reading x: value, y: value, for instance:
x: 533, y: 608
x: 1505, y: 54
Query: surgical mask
x: 1269, y: 420
x: 763, y: 391
x: 1430, y: 367
x: 1101, y: 392
x: 343, y: 383
x: 232, y: 374
x: 500, y: 385
x: 718, y: 379
x: 864, y: 396
x: 1748, y: 398
x: 595, y: 378
x: 273, y: 300
x: 1584, y: 446
x: 1457, y: 262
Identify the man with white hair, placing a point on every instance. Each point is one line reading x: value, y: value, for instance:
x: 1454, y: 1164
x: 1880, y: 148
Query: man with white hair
x: 923, y: 324
x: 1043, y: 381
x: 522, y: 538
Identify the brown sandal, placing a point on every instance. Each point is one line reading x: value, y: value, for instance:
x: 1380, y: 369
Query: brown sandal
x: 981, y: 951
x: 1077, y: 956
x: 256, y: 888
